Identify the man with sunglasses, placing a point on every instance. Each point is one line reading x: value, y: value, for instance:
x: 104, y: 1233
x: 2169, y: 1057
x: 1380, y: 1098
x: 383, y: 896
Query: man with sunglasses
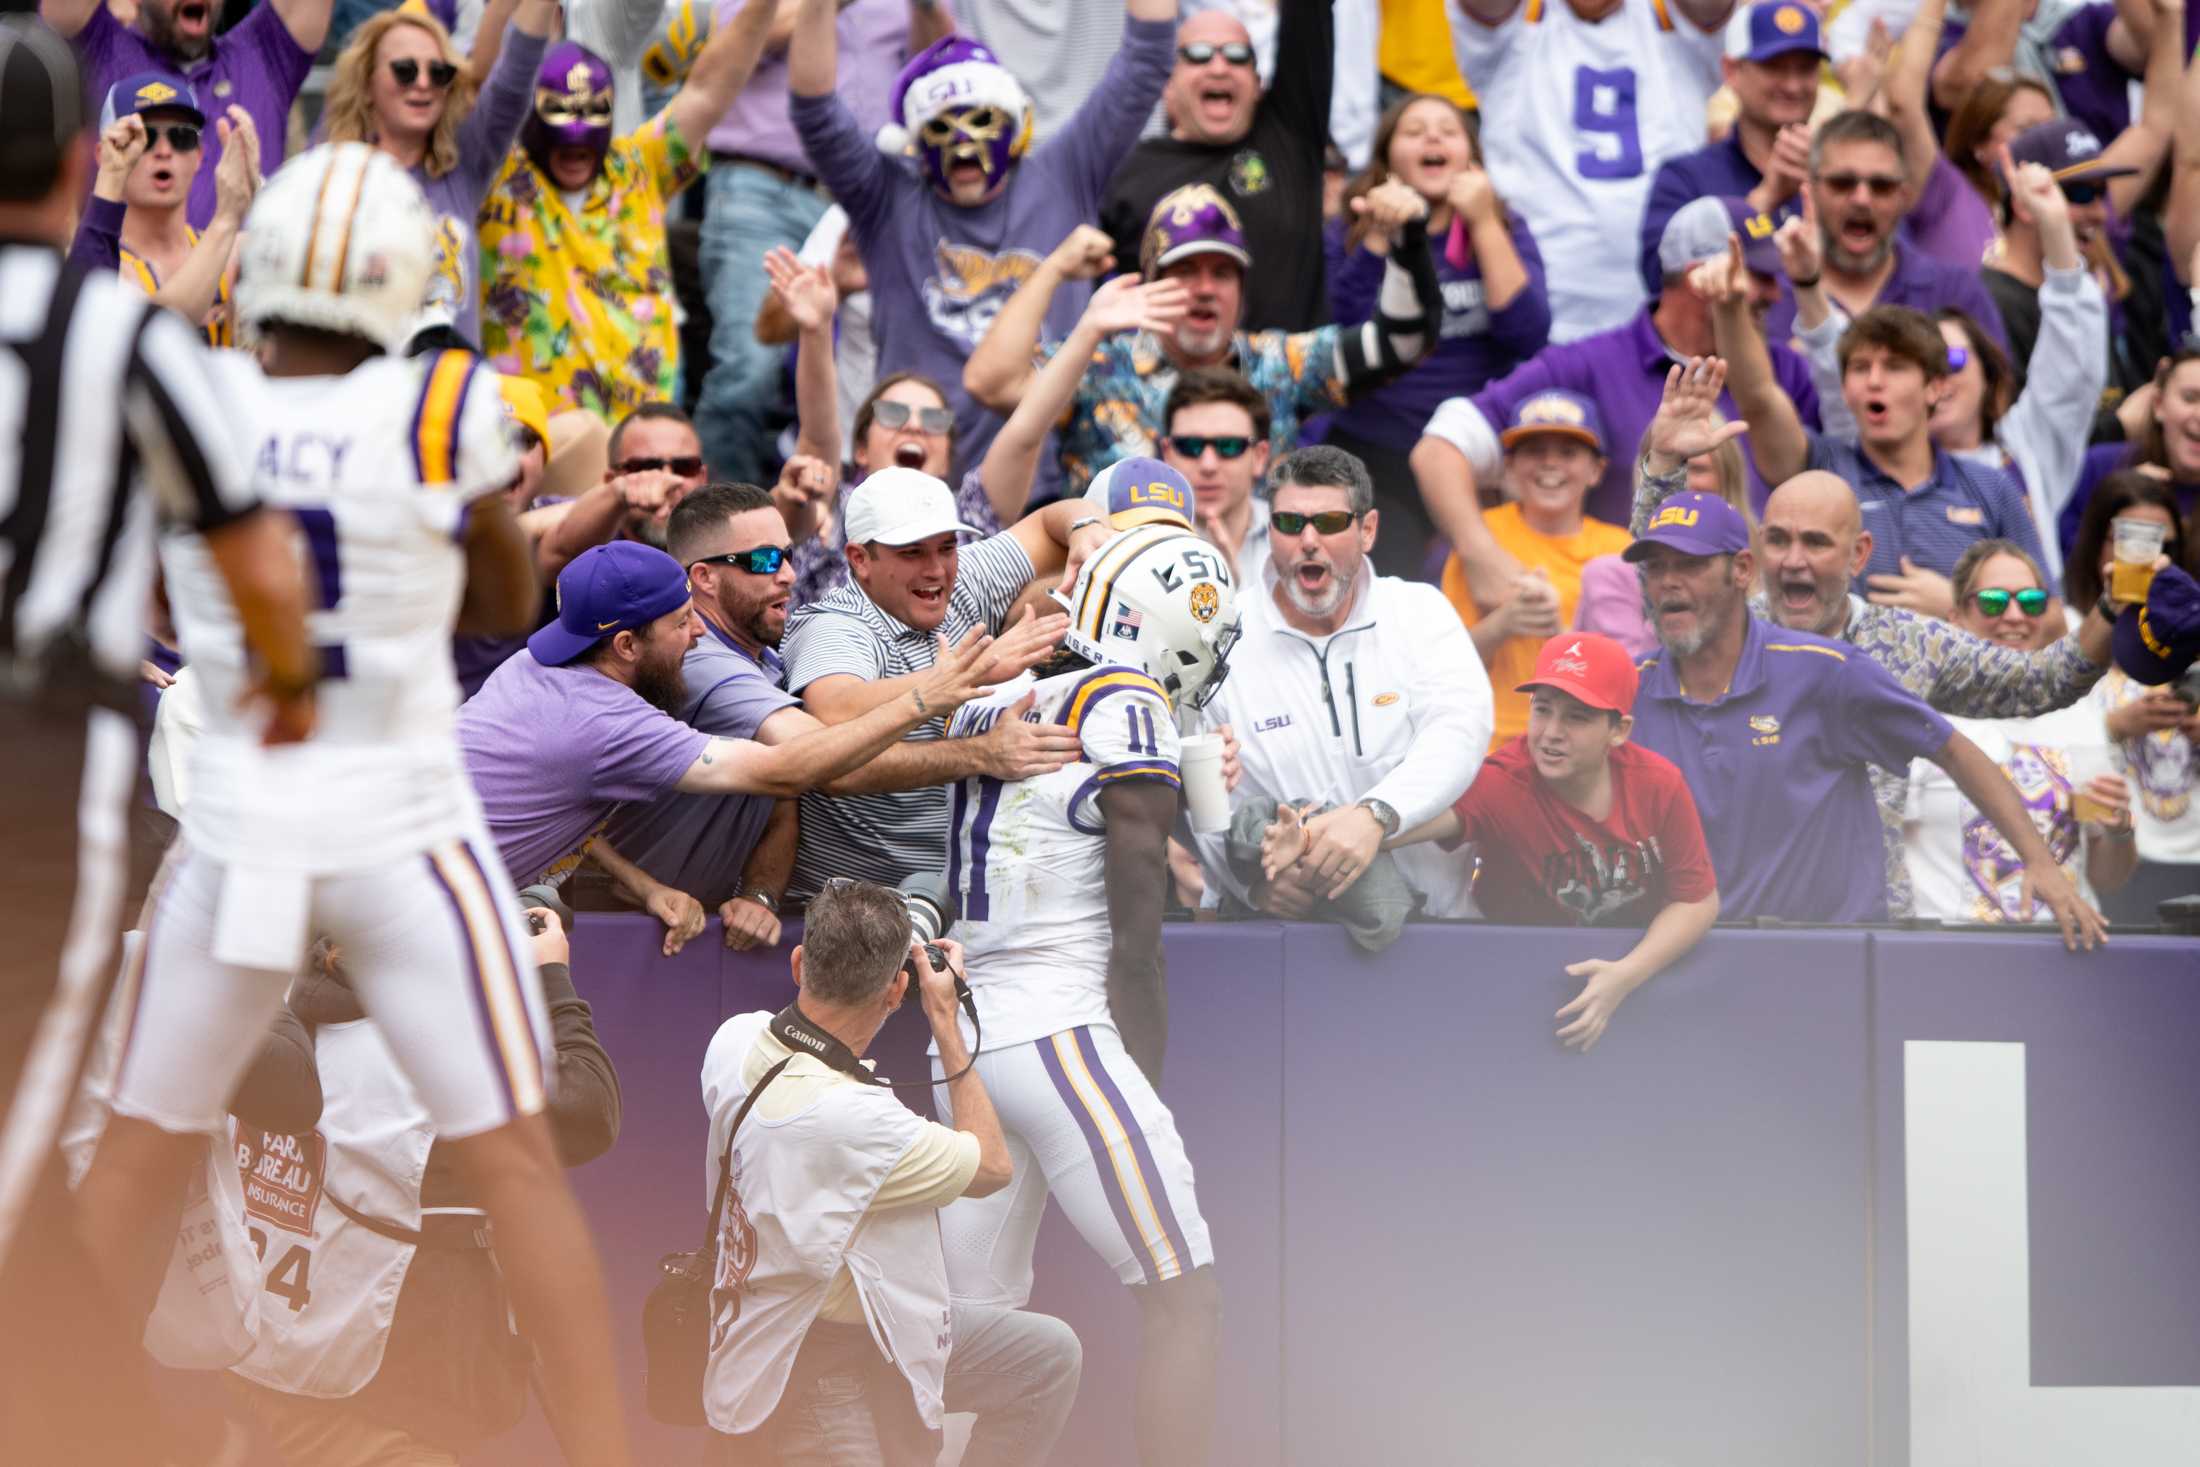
x: 1261, y: 151
x: 1860, y: 194
x: 259, y: 64
x: 1216, y: 426
x: 2072, y: 155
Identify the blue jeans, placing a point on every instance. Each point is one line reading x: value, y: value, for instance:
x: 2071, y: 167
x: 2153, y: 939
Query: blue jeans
x: 747, y: 210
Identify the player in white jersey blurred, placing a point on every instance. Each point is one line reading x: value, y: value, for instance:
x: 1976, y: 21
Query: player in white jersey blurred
x: 1585, y: 99
x: 1061, y: 881
x: 369, y: 833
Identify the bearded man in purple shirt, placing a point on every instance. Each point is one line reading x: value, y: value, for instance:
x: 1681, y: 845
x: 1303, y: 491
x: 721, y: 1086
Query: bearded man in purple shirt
x: 258, y: 64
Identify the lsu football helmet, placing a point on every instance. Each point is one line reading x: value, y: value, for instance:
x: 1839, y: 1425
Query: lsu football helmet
x: 1159, y: 599
x: 340, y: 239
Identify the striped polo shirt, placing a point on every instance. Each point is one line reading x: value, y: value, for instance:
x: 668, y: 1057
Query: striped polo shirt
x: 885, y: 838
x: 1933, y: 524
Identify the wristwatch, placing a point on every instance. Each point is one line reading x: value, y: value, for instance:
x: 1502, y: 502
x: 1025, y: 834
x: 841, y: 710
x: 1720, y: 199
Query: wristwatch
x: 1386, y: 817
x: 763, y: 899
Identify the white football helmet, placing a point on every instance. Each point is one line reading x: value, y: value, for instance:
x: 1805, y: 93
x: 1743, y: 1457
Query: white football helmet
x: 340, y: 239
x: 1160, y: 599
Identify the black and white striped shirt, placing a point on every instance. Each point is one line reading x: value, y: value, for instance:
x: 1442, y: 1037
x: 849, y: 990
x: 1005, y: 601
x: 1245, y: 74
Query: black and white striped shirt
x: 885, y: 838
x: 109, y: 426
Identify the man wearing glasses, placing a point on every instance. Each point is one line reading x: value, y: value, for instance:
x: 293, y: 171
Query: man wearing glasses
x: 1262, y: 152
x: 1217, y: 438
x: 1353, y: 695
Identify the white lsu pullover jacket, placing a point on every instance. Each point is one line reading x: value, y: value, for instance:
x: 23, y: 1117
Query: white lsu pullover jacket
x: 1394, y: 705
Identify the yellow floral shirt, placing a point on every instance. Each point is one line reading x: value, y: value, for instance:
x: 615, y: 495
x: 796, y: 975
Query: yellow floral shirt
x: 581, y: 301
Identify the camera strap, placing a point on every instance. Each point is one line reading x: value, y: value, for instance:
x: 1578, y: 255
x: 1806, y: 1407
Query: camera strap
x: 791, y: 1027
x: 725, y: 1168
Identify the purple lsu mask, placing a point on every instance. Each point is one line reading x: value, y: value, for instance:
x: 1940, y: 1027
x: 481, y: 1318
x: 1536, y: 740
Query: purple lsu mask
x: 958, y: 104
x: 572, y: 106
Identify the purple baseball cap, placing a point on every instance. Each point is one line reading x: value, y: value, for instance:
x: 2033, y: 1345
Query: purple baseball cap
x: 1193, y: 220
x: 1555, y: 410
x: 606, y: 590
x: 1693, y: 524
x: 1698, y: 229
x: 1141, y: 491
x: 149, y: 91
x: 2066, y: 148
x: 2156, y: 642
x: 1776, y: 28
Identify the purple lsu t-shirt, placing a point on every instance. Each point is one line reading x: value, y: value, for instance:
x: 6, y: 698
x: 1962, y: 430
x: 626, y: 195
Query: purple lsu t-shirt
x: 554, y: 750
x: 256, y: 65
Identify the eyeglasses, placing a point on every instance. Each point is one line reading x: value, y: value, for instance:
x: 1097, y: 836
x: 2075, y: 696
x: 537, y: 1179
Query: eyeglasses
x: 560, y: 112
x: 1199, y: 53
x: 1882, y: 185
x: 1328, y: 522
x: 896, y: 415
x: 1192, y: 446
x: 182, y: 136
x: 2085, y: 192
x: 1993, y: 601
x: 405, y: 71
x: 764, y: 560
x: 687, y: 466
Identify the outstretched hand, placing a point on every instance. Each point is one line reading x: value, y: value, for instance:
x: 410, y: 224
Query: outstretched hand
x: 807, y: 291
x: 1688, y: 421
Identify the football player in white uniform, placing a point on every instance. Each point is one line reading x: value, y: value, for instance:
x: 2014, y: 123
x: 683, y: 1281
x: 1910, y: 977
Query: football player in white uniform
x: 1595, y: 95
x: 1062, y: 880
x: 369, y: 832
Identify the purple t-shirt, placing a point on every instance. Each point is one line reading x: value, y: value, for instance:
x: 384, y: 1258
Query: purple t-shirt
x: 1950, y: 222
x: 874, y: 41
x: 554, y: 750
x: 1623, y: 370
x: 2094, y: 88
x: 256, y: 65
x: 940, y: 273
x: 1920, y: 282
x: 1475, y: 344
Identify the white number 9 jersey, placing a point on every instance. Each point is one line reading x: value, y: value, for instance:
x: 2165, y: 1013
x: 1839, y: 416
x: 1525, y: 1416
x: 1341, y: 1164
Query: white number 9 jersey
x: 1026, y: 858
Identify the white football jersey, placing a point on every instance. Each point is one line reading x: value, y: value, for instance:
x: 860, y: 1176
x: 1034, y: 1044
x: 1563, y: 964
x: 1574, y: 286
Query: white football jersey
x: 1582, y: 116
x: 378, y: 466
x: 1026, y: 858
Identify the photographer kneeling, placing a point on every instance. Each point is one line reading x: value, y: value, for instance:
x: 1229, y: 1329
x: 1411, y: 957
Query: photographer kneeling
x: 831, y: 1339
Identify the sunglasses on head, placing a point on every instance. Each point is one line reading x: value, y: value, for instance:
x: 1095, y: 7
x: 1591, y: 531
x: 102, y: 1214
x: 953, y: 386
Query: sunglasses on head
x: 896, y: 415
x: 182, y: 136
x: 687, y: 466
x: 405, y: 70
x: 1882, y: 185
x: 1199, y: 53
x: 2084, y: 191
x: 764, y: 560
x: 1994, y: 601
x: 1328, y: 522
x: 1192, y: 446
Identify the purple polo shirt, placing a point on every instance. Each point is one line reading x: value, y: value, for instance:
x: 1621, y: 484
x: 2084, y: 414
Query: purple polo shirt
x: 1718, y: 170
x: 874, y: 40
x: 553, y: 751
x: 1623, y: 370
x: 1920, y: 282
x: 256, y: 65
x: 1780, y: 765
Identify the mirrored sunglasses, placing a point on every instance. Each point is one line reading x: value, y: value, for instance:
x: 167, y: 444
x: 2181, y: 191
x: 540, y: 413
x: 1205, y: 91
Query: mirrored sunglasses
x: 896, y: 415
x: 1328, y: 522
x: 1199, y: 53
x: 1994, y: 601
x: 764, y: 560
x: 1192, y: 446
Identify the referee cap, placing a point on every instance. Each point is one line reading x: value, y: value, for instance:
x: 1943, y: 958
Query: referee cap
x: 42, y: 107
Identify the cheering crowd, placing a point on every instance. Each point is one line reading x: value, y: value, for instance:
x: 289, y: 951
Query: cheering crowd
x: 1652, y: 462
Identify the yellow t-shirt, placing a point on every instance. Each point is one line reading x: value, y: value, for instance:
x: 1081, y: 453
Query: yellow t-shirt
x: 1415, y: 50
x: 1561, y: 558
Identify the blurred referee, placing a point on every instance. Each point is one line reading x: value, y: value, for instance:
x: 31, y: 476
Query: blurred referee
x: 107, y: 429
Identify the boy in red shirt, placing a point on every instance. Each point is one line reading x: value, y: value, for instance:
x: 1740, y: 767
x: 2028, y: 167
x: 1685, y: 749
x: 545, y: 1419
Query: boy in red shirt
x: 1577, y: 827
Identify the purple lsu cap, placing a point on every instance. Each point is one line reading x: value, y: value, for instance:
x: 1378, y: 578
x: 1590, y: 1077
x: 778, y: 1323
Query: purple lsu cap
x: 606, y: 590
x: 1698, y: 230
x: 1555, y: 410
x: 2066, y: 148
x: 149, y: 91
x: 1693, y: 524
x: 1141, y: 491
x: 1192, y: 220
x: 1776, y: 28
x: 2156, y: 642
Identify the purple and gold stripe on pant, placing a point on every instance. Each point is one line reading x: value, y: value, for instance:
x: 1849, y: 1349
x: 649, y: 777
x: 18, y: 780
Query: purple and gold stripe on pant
x: 1135, y: 1187
x: 500, y: 1005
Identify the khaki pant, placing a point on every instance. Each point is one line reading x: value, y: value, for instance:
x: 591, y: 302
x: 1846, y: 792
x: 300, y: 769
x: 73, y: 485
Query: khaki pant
x: 315, y: 1433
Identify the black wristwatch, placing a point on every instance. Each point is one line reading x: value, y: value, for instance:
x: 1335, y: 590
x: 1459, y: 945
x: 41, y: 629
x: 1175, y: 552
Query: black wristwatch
x: 1386, y: 817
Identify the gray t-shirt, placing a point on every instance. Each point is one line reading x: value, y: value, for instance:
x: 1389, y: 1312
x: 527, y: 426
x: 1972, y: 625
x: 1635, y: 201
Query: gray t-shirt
x: 554, y: 750
x: 886, y: 838
x: 700, y: 844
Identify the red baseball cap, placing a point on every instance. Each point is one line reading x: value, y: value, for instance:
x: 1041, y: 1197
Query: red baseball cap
x: 1584, y: 665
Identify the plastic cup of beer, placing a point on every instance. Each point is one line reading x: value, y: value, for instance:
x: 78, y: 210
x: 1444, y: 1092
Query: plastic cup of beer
x: 2138, y: 542
x: 2087, y: 763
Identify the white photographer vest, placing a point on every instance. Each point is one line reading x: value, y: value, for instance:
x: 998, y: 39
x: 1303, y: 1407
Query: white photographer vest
x: 207, y: 1313
x: 798, y: 1209
x: 331, y: 1285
